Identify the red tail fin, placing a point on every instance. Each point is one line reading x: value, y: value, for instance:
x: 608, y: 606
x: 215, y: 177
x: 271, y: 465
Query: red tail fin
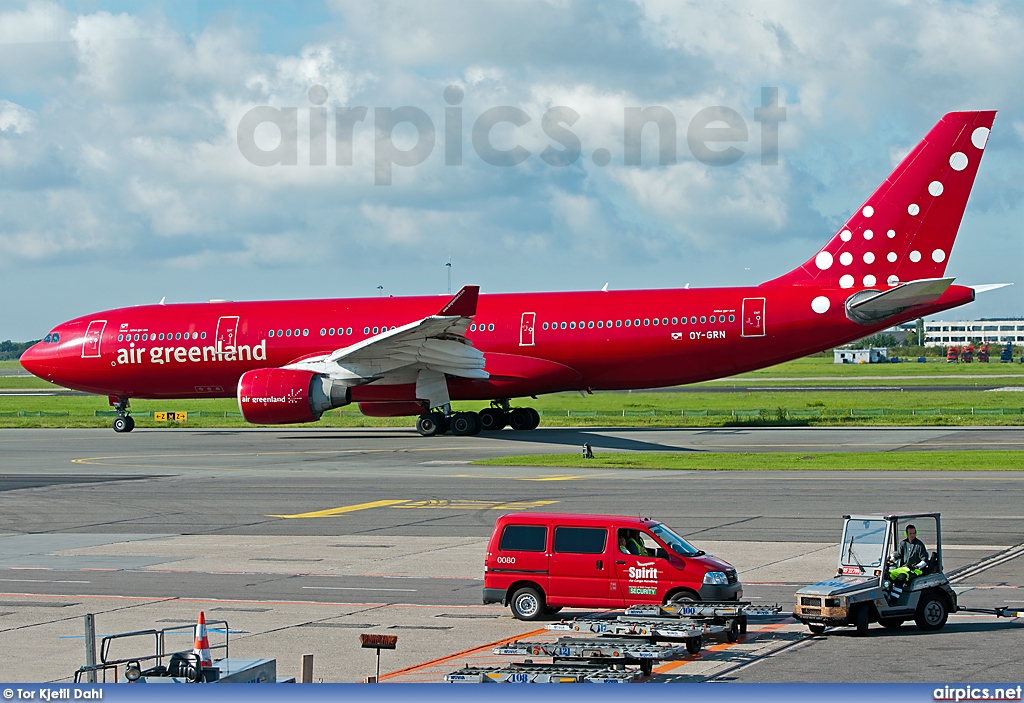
x: 905, y: 230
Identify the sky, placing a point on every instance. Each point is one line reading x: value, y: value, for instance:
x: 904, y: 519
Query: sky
x: 204, y: 149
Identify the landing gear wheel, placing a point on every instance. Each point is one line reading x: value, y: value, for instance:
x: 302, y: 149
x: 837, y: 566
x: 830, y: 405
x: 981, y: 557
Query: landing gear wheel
x: 527, y: 604
x: 862, y: 620
x: 429, y: 425
x: 693, y: 645
x: 464, y: 424
x: 521, y: 419
x: 536, y: 418
x: 891, y: 623
x: 932, y: 612
x: 493, y: 419
x: 816, y: 629
x: 123, y: 423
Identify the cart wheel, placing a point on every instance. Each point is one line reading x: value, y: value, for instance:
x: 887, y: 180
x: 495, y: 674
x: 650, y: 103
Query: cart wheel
x: 862, y: 620
x: 931, y: 612
x: 891, y: 623
x: 816, y: 629
x: 743, y: 623
x: 732, y: 633
x: 646, y: 667
x: 693, y: 645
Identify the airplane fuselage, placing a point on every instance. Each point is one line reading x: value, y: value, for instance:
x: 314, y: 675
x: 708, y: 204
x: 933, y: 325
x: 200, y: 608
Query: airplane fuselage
x: 533, y: 342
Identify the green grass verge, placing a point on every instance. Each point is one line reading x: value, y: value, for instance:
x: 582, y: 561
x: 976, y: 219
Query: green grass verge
x: 777, y: 461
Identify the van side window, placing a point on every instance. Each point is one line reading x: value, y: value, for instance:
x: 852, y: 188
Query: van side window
x: 524, y: 538
x: 580, y: 540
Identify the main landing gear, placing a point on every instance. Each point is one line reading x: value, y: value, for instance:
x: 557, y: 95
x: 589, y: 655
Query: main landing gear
x: 123, y: 422
x: 491, y: 419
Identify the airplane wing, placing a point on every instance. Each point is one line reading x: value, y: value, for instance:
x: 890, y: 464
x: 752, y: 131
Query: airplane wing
x: 424, y: 352
x: 871, y: 306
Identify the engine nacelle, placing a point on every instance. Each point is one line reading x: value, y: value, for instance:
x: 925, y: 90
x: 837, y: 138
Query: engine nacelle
x: 283, y: 396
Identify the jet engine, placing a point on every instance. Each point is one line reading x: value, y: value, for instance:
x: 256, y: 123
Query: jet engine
x: 282, y: 396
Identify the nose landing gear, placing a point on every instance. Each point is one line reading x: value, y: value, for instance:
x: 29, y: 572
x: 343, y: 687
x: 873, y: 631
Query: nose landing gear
x: 123, y: 422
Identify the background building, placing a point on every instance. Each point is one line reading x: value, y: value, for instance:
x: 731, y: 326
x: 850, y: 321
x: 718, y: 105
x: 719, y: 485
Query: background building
x: 938, y: 333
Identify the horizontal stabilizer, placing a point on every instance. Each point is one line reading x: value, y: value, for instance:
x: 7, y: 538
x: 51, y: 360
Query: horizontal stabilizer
x: 462, y: 304
x: 871, y: 306
x: 986, y: 287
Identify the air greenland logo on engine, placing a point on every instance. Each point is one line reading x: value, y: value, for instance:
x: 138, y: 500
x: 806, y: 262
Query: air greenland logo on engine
x: 643, y: 571
x: 292, y: 398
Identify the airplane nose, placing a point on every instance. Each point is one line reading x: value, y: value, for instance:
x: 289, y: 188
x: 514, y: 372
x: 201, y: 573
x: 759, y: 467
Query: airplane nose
x: 33, y: 361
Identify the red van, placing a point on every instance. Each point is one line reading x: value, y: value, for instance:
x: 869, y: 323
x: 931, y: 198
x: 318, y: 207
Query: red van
x: 538, y: 563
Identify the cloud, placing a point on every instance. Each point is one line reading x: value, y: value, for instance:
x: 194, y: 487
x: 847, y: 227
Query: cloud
x: 119, y: 152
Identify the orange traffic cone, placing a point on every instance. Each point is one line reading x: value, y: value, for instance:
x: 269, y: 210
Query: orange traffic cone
x: 202, y: 645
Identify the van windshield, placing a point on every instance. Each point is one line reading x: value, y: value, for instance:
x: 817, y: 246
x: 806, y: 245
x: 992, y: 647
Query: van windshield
x: 676, y: 543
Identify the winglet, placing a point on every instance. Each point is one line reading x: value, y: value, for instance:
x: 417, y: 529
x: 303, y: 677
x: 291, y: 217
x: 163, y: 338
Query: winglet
x: 463, y: 304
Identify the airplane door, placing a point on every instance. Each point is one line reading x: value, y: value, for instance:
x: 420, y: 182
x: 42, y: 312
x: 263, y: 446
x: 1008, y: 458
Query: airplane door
x: 227, y: 331
x: 526, y: 329
x: 93, y: 335
x: 753, y: 317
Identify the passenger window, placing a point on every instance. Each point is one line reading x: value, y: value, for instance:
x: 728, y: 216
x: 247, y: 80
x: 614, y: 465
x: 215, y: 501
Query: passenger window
x: 600, y: 324
x: 732, y: 318
x: 563, y: 325
x: 647, y: 322
x: 305, y: 333
x: 287, y: 333
x: 120, y: 338
x: 655, y: 322
x: 523, y: 538
x: 580, y: 540
x: 618, y: 323
x: 682, y: 320
x: 203, y: 335
x: 636, y: 323
x: 572, y: 325
x: 271, y: 333
x: 490, y: 327
x: 628, y: 323
x: 472, y: 328
x: 296, y: 333
x: 376, y: 330
x: 703, y: 319
x: 590, y: 325
x: 136, y: 338
x: 145, y: 337
x: 664, y: 320
x: 348, y: 330
x: 544, y: 326
x: 721, y: 318
x: 366, y: 330
x: 693, y: 320
x: 675, y: 320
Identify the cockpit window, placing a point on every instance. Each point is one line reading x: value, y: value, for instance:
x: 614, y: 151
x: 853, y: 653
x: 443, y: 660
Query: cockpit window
x: 55, y: 337
x: 46, y: 339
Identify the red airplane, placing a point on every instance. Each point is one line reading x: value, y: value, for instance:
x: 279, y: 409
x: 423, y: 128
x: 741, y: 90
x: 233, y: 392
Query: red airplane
x: 290, y: 361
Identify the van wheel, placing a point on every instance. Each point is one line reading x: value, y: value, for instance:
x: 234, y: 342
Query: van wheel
x: 682, y: 597
x: 527, y: 604
x: 931, y: 612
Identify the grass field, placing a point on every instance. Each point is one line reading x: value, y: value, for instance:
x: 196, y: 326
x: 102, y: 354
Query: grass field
x: 782, y: 461
x: 692, y: 409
